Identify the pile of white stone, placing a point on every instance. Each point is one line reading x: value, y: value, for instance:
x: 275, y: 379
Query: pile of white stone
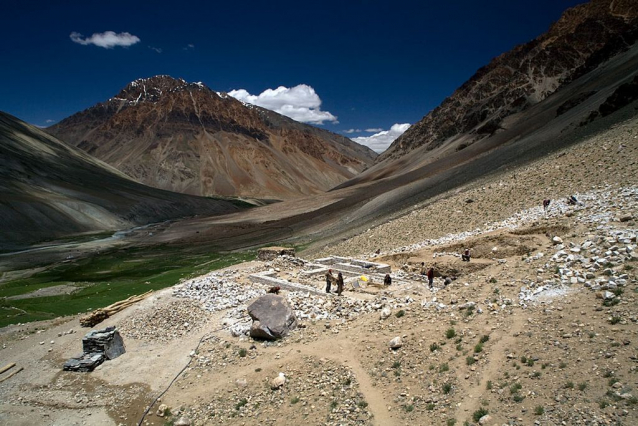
x: 596, y: 263
x: 218, y: 291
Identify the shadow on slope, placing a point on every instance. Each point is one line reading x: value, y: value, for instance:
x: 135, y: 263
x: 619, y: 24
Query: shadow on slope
x: 50, y: 190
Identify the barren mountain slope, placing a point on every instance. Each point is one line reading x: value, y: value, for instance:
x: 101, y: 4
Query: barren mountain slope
x: 361, y: 203
x: 50, y: 189
x: 583, y: 38
x: 184, y: 137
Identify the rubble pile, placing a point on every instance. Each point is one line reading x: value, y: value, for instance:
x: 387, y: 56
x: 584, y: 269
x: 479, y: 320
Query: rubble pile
x: 269, y: 253
x: 598, y: 261
x: 218, y: 291
x: 168, y: 322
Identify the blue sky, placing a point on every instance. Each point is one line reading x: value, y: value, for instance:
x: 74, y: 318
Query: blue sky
x: 370, y: 64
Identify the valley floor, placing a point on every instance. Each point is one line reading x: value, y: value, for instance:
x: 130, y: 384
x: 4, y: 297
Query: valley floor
x: 541, y: 327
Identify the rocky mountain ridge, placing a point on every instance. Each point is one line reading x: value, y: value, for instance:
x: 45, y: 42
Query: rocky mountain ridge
x: 185, y: 137
x: 584, y: 37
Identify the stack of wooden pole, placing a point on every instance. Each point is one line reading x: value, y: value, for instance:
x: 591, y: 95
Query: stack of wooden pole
x: 101, y: 314
x: 7, y: 368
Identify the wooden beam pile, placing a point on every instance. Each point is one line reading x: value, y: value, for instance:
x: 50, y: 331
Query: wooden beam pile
x: 93, y: 318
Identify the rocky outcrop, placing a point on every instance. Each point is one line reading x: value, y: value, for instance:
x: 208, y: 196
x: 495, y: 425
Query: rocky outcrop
x: 184, y: 137
x: 583, y: 38
x: 624, y: 95
x: 273, y: 318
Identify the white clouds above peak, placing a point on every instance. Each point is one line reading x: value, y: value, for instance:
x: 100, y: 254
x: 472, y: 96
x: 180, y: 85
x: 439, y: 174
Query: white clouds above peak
x: 372, y: 130
x: 107, y: 39
x: 380, y: 141
x: 301, y: 103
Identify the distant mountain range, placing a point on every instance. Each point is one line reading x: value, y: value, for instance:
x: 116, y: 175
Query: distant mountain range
x: 184, y: 137
x: 579, y: 78
x: 50, y: 189
x: 491, y: 101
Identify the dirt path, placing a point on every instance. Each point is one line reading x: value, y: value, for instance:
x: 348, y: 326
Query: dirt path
x: 346, y: 351
x: 378, y: 405
x: 492, y: 369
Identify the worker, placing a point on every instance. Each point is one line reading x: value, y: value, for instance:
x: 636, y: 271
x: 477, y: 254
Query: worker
x: 465, y: 257
x: 430, y: 275
x: 339, y: 284
x: 329, y: 280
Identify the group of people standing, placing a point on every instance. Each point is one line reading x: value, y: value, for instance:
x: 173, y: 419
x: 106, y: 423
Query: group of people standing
x: 330, y: 279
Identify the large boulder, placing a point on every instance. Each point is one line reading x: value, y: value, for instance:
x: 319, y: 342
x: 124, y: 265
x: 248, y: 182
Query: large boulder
x: 273, y: 318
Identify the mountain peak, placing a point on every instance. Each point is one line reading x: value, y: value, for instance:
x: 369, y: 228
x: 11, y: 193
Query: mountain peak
x: 185, y: 137
x: 152, y: 88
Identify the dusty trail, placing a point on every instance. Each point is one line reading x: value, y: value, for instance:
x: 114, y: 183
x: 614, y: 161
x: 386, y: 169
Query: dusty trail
x: 347, y: 353
x: 491, y: 370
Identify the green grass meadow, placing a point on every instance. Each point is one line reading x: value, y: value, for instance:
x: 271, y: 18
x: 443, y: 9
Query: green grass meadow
x: 107, y: 278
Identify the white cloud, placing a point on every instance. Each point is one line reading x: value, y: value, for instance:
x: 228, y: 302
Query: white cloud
x: 157, y: 49
x: 374, y: 130
x: 301, y: 103
x: 189, y: 46
x: 379, y: 142
x: 107, y: 39
x: 49, y: 121
x: 349, y: 131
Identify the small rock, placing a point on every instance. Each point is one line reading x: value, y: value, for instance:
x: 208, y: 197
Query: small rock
x: 396, y: 343
x: 485, y: 419
x: 161, y: 410
x: 278, y: 381
x: 182, y: 421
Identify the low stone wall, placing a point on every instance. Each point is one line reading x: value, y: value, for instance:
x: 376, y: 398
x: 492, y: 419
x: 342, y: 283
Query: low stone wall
x: 355, y: 265
x: 267, y: 278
